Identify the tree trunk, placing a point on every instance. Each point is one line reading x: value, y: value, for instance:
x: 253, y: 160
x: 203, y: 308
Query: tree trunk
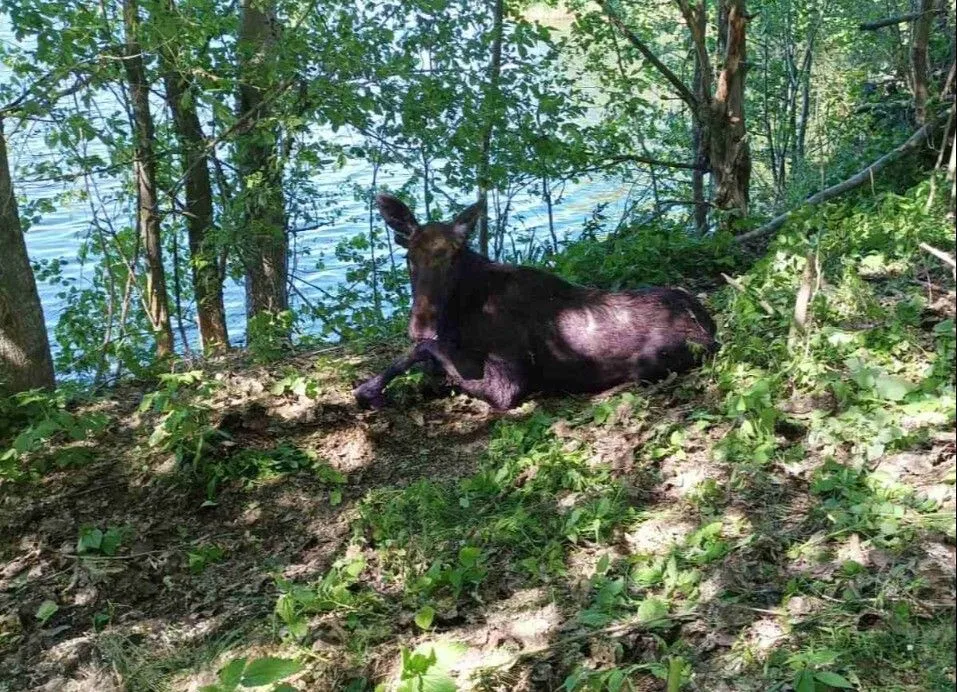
x: 265, y: 242
x: 729, y: 154
x: 489, y: 106
x: 144, y: 172
x: 206, y: 278
x: 801, y: 135
x: 701, y: 85
x: 25, y: 361
x: 920, y: 35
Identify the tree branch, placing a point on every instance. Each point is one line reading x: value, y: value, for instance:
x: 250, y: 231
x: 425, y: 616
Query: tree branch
x: 637, y: 158
x: 890, y: 21
x: 681, y: 88
x: 851, y: 183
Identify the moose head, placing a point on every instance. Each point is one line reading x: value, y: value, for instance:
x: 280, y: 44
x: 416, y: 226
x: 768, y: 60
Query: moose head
x: 434, y: 254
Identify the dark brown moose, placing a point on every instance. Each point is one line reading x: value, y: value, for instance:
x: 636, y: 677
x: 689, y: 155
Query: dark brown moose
x: 501, y: 332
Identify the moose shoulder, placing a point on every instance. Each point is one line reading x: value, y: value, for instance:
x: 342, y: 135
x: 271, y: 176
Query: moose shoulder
x: 500, y: 332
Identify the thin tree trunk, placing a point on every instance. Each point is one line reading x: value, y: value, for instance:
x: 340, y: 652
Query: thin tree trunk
x: 266, y: 242
x: 696, y: 19
x: 801, y: 135
x: 207, y: 280
x: 919, y: 59
x: 25, y: 361
x: 490, y: 108
x: 144, y: 171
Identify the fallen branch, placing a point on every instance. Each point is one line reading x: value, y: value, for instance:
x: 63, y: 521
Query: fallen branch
x: 851, y: 183
x: 889, y: 21
x: 738, y: 286
x: 941, y: 255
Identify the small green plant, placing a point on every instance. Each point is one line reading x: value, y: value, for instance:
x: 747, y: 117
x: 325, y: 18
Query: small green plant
x: 31, y: 420
x: 811, y: 674
x: 46, y: 610
x: 296, y: 384
x: 185, y: 427
x: 250, y: 466
x: 202, y: 556
x: 93, y: 541
x: 428, y: 666
x: 336, y: 591
x: 258, y: 672
x: 268, y: 335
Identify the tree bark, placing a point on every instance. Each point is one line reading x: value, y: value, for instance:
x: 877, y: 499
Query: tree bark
x: 25, y: 361
x: 207, y: 280
x: 144, y: 172
x: 730, y: 154
x: 489, y: 107
x: 920, y: 35
x: 265, y: 243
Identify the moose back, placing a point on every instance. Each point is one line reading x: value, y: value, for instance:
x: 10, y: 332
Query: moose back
x: 501, y: 332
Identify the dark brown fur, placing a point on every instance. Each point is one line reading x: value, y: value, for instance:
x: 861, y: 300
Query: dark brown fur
x: 501, y: 332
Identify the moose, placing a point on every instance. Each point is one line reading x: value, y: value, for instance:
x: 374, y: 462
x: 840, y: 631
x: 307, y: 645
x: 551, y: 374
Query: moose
x: 501, y: 332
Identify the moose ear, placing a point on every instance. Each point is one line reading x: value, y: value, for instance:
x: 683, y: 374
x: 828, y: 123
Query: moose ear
x: 398, y: 217
x: 464, y: 223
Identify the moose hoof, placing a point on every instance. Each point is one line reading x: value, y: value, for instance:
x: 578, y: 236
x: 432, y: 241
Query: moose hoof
x: 369, y: 397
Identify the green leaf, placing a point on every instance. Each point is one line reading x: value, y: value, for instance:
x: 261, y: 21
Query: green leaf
x: 469, y: 555
x: 804, y: 682
x: 891, y: 388
x: 354, y: 568
x: 46, y: 611
x: 90, y: 539
x: 231, y: 674
x: 675, y: 669
x: 265, y: 671
x: 424, y: 617
x: 833, y: 679
x: 433, y: 681
x: 111, y: 541
x: 652, y: 609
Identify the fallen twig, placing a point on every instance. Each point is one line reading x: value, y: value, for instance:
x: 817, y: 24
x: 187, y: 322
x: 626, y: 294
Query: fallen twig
x: 738, y: 286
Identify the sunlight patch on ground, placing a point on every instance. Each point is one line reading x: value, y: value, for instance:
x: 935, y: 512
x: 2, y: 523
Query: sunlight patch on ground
x: 659, y: 534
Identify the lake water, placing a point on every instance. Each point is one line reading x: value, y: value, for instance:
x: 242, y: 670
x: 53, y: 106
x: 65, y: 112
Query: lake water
x: 58, y: 234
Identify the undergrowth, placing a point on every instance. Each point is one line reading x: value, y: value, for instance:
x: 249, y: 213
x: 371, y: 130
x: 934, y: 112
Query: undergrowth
x: 761, y: 530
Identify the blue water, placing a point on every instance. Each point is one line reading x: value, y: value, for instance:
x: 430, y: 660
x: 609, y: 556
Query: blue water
x: 57, y: 235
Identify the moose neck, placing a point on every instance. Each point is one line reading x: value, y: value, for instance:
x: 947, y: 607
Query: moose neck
x: 469, y: 287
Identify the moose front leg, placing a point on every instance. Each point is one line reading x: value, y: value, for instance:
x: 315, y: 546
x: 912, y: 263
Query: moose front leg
x: 500, y: 383
x: 497, y: 381
x: 370, y: 394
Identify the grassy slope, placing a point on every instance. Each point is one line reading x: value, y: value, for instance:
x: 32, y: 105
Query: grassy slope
x: 783, y: 518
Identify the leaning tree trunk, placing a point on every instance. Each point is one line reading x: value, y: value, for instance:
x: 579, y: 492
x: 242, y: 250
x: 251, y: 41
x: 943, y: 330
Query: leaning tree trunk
x: 207, y: 278
x: 144, y: 172
x: 729, y: 153
x: 25, y: 361
x: 264, y: 245
x: 489, y: 106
